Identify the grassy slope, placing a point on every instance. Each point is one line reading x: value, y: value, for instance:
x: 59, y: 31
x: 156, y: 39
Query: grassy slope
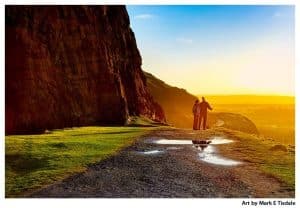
x: 141, y: 121
x: 256, y: 151
x: 177, y: 104
x: 33, y: 161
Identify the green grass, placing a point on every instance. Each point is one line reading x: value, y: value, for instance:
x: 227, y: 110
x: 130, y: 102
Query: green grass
x: 141, y: 121
x: 256, y: 150
x: 33, y: 161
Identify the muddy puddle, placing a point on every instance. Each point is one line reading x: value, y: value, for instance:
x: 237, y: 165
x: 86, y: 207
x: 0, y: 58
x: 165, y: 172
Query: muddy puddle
x: 207, y: 153
x: 172, y: 141
x: 150, y: 152
x: 220, y: 140
x: 214, y: 140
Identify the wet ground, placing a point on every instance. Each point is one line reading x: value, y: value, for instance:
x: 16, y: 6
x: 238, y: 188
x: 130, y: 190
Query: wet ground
x: 207, y: 152
x: 167, y: 164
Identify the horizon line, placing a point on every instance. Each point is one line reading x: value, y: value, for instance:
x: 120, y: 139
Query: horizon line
x: 258, y: 95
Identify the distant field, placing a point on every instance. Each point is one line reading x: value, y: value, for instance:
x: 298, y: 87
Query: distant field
x: 275, y: 121
x: 250, y: 99
x: 32, y: 161
x: 274, y: 116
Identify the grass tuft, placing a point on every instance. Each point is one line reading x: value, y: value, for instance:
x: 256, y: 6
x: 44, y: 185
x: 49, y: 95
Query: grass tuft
x: 259, y: 151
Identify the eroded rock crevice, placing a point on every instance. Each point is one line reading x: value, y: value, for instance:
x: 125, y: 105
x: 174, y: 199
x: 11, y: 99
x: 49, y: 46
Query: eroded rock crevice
x: 72, y: 66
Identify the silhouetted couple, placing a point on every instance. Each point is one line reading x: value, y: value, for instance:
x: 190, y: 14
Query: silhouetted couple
x: 200, y: 113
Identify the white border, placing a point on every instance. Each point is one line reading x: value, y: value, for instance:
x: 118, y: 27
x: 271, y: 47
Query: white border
x: 232, y: 203
x: 154, y: 2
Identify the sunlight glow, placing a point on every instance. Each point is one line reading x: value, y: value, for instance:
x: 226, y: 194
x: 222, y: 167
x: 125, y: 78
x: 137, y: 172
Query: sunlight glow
x: 219, y: 49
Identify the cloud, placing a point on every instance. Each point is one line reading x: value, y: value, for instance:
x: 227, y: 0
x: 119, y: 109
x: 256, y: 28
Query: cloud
x: 184, y: 40
x: 144, y: 16
x: 278, y: 14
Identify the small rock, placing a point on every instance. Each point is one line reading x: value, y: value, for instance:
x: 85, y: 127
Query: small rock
x: 47, y: 131
x: 278, y: 147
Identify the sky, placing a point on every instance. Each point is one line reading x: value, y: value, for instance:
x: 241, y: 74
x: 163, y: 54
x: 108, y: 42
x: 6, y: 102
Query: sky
x: 218, y: 49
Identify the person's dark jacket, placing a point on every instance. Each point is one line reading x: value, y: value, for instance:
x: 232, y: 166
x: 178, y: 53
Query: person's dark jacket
x: 203, y: 107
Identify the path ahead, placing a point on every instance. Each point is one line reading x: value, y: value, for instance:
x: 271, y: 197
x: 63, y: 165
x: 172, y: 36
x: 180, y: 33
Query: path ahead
x: 173, y: 171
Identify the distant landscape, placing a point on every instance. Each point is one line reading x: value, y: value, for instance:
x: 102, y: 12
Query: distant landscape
x: 274, y: 116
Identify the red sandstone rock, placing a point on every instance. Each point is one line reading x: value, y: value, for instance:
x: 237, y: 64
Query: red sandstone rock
x: 72, y: 66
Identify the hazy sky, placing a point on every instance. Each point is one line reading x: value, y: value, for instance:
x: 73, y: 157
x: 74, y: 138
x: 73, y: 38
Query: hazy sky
x: 218, y: 49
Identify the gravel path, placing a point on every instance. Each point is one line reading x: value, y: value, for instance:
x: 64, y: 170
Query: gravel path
x: 172, y: 171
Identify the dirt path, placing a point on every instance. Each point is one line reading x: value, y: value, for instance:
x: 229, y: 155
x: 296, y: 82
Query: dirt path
x: 169, y: 171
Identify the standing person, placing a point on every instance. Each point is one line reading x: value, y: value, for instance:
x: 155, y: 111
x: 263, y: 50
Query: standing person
x: 203, y: 112
x: 196, y: 112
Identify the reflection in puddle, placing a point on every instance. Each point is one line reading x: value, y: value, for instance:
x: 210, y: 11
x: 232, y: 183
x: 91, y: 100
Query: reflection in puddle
x: 209, y: 155
x: 200, y: 147
x: 214, y: 140
x: 172, y: 141
x: 153, y: 139
x: 220, y: 140
x: 208, y: 152
x: 151, y: 152
x: 220, y: 161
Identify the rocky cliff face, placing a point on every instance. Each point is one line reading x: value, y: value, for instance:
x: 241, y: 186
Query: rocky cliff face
x: 72, y: 66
